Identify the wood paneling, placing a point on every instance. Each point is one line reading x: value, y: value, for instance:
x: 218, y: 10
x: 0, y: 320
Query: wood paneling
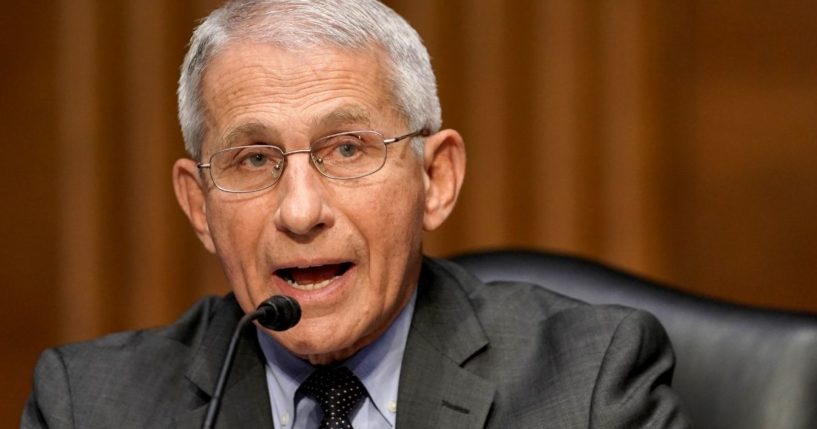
x: 745, y: 152
x: 29, y: 316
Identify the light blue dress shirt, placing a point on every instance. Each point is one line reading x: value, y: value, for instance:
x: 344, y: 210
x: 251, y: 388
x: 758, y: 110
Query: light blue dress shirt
x: 377, y: 365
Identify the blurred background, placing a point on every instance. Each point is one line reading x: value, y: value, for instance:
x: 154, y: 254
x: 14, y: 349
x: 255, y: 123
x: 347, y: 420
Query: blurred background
x: 675, y: 139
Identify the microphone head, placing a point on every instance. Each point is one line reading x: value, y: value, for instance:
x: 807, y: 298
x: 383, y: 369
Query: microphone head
x: 279, y: 313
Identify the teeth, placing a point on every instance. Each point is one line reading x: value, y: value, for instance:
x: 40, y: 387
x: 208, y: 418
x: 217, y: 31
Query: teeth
x: 311, y: 286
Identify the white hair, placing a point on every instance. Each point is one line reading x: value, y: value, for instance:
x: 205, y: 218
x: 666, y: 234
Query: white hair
x: 294, y: 24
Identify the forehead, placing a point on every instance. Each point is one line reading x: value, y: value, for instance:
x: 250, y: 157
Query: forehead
x: 252, y: 86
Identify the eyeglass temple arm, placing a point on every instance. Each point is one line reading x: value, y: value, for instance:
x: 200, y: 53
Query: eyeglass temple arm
x: 424, y: 132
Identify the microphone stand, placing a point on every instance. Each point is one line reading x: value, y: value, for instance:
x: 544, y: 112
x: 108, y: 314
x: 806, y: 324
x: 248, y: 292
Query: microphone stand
x: 278, y: 313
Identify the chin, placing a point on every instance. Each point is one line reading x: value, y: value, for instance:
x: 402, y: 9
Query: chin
x: 327, y: 359
x: 318, y: 342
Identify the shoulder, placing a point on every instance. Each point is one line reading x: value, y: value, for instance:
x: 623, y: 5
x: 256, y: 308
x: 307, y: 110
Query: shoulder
x: 509, y: 308
x: 589, y: 365
x: 128, y: 369
x: 184, y: 333
x: 525, y: 322
x: 529, y: 306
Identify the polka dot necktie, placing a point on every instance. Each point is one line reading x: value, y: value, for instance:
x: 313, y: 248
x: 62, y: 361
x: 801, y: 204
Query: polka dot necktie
x: 337, y: 390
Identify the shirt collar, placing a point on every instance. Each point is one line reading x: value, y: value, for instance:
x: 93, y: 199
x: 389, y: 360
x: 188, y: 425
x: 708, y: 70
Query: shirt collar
x: 377, y: 365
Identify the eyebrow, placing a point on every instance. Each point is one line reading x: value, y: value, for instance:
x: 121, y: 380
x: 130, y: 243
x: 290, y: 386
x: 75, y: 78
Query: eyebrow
x: 249, y: 129
x: 342, y: 116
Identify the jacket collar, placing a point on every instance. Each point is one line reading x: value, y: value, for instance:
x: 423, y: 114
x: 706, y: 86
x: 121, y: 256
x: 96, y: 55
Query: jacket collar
x: 435, y: 390
x: 245, y: 401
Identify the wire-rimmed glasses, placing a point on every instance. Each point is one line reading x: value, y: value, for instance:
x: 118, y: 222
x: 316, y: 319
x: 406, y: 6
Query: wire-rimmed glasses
x: 341, y: 156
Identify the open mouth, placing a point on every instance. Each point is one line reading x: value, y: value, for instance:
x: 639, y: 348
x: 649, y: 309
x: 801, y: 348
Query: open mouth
x: 313, y: 278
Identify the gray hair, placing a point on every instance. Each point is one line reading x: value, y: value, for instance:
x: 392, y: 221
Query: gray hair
x: 293, y: 24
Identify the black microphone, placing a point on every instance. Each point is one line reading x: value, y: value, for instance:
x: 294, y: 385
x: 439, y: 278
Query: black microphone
x: 278, y: 313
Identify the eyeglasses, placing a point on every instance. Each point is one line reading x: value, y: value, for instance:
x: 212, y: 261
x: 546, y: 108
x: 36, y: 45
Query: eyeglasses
x: 342, y: 156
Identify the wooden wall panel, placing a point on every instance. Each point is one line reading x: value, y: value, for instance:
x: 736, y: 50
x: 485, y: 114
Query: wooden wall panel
x: 630, y: 143
x: 482, y: 68
x: 79, y: 175
x: 746, y: 152
x: 29, y: 308
x: 669, y: 139
x: 562, y: 145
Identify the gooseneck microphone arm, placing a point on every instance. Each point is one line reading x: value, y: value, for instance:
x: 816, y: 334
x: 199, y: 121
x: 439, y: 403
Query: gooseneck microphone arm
x: 278, y: 313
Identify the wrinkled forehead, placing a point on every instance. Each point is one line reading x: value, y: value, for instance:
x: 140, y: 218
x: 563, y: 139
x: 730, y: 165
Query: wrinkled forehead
x: 372, y: 54
x: 246, y: 70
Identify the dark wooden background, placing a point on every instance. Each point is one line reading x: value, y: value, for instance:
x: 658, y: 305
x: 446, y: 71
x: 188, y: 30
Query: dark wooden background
x: 677, y: 139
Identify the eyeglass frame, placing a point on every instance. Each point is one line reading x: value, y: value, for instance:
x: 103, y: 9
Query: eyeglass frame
x: 423, y: 132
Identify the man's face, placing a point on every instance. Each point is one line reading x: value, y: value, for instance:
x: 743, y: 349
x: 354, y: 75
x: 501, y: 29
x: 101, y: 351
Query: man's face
x: 348, y: 251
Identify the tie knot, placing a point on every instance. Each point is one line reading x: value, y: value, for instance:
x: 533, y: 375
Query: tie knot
x: 337, y: 391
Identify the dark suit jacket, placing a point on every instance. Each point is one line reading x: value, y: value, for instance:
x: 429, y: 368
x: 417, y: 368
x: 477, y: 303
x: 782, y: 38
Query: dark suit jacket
x: 499, y: 356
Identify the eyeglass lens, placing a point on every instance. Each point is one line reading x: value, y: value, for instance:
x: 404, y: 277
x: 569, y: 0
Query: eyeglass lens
x: 339, y: 156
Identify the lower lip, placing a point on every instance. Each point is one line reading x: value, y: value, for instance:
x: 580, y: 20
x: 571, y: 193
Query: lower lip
x: 335, y: 286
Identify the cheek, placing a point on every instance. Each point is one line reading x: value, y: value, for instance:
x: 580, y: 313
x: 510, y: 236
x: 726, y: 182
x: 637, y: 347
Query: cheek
x: 235, y: 228
x: 395, y: 218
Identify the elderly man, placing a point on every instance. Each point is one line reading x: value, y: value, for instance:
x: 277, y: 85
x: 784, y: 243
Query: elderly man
x: 317, y: 163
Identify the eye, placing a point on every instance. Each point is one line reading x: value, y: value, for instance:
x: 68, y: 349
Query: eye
x: 340, y: 148
x: 348, y: 150
x: 256, y: 160
x: 254, y: 157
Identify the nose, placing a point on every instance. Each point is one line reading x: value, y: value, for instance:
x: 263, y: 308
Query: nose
x: 303, y: 208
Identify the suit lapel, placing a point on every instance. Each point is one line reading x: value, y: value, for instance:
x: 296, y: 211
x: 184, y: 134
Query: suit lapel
x: 245, y: 402
x: 435, y: 390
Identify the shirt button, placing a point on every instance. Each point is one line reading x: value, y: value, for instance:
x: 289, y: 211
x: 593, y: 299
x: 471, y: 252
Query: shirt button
x: 393, y: 406
x: 285, y: 419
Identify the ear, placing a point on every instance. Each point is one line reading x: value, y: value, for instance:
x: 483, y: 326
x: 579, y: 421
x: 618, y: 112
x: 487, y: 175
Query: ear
x: 444, y: 171
x: 190, y: 194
